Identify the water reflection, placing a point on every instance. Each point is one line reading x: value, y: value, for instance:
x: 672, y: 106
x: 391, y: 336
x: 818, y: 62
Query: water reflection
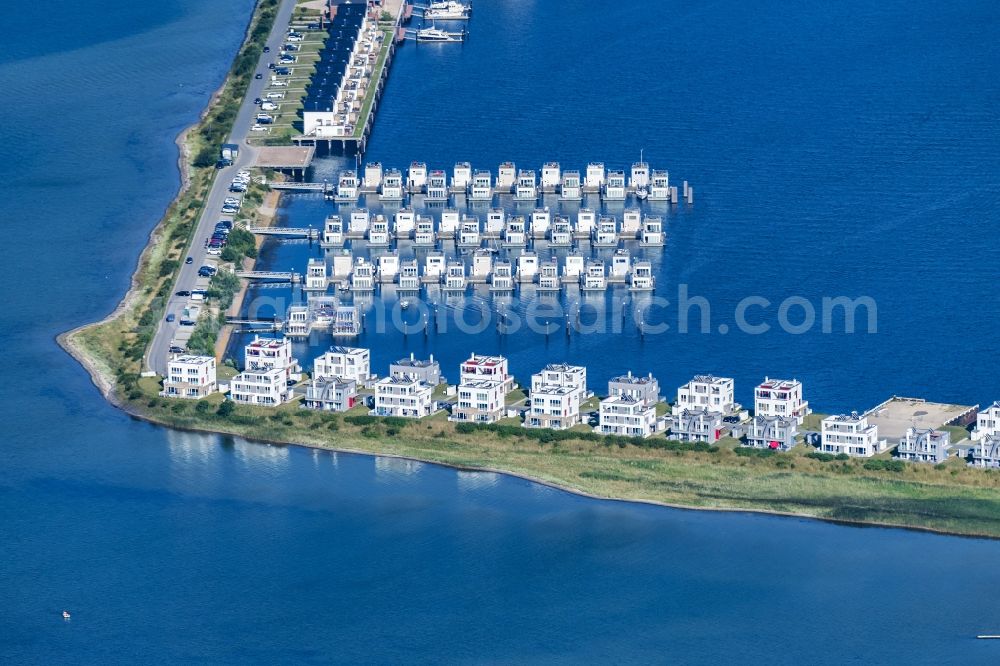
x: 388, y: 469
x: 257, y: 452
x: 187, y: 447
x: 476, y: 480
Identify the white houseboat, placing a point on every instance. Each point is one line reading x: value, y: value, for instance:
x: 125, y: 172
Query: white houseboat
x: 416, y: 177
x: 541, y: 220
x: 506, y: 178
x: 595, y: 177
x: 569, y: 186
x: 333, y: 232
x: 550, y: 177
x: 437, y: 186
x: 606, y: 234
x: 347, y: 187
x: 614, y: 187
x: 392, y: 186
x: 527, y: 186
x: 514, y: 234
x: 482, y: 186
x: 405, y: 222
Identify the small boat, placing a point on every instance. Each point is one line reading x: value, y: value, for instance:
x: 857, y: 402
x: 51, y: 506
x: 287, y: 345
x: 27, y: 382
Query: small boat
x: 66, y: 615
x: 404, y: 304
x: 641, y: 193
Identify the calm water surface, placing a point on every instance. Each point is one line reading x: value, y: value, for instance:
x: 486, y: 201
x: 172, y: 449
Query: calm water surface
x: 851, y: 147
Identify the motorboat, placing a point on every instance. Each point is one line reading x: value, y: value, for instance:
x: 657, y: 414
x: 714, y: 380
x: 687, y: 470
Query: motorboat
x: 449, y: 10
x: 433, y: 34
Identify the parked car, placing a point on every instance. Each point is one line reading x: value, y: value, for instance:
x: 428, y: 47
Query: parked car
x: 174, y: 349
x: 186, y: 322
x: 183, y: 292
x: 257, y: 100
x: 207, y: 271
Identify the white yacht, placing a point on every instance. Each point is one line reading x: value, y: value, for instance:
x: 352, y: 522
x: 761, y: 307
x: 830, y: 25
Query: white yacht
x: 433, y: 34
x: 449, y: 10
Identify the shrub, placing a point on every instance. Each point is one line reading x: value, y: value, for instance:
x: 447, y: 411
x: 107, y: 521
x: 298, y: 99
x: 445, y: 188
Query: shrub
x: 750, y: 452
x: 879, y: 465
x: 225, y: 409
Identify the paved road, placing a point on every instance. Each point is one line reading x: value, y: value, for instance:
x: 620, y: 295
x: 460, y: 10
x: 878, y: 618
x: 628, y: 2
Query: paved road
x: 167, y: 333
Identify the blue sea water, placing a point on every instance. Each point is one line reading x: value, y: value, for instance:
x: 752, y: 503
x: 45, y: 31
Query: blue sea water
x: 834, y: 148
x: 846, y: 150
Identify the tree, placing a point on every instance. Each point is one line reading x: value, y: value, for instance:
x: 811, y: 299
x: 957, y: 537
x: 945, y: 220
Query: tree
x: 225, y: 409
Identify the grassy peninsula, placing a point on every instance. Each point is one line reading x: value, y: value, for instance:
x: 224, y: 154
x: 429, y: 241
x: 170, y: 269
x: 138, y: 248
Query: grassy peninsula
x: 949, y: 497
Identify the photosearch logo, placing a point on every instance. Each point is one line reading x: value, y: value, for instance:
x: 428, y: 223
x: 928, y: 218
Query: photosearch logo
x: 650, y: 314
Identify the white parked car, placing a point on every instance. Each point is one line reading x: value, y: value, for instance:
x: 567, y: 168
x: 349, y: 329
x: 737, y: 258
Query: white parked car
x: 278, y: 84
x: 275, y: 95
x: 268, y: 106
x: 258, y: 128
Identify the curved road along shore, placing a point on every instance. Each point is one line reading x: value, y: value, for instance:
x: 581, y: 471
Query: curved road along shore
x: 188, y: 279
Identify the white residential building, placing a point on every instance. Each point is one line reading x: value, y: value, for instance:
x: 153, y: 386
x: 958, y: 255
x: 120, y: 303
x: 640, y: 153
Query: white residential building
x: 772, y: 432
x: 428, y: 371
x: 987, y: 423
x: 479, y: 401
x: 780, y: 397
x: 403, y: 395
x: 986, y: 452
x: 553, y: 406
x: 707, y: 392
x: 345, y: 363
x: 190, y: 376
x: 697, y: 425
x: 850, y: 434
x: 270, y: 353
x: 562, y: 374
x: 630, y: 408
x: 626, y: 415
x: 263, y: 388
x: 645, y: 389
x: 924, y: 445
x: 489, y: 368
x: 331, y: 394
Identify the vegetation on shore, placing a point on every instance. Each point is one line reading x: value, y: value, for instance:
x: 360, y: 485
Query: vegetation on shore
x: 113, y: 349
x: 947, y: 497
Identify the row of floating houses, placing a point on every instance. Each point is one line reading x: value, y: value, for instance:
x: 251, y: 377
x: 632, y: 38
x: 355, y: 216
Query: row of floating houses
x: 523, y: 184
x: 325, y: 312
x: 704, y: 409
x: 504, y: 230
x: 410, y: 275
